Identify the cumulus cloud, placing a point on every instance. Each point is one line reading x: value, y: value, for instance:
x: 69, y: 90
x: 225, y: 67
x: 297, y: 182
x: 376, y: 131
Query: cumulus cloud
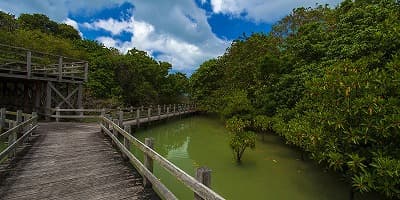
x: 263, y: 10
x: 115, y: 27
x: 178, y: 31
x: 183, y: 55
x: 74, y: 24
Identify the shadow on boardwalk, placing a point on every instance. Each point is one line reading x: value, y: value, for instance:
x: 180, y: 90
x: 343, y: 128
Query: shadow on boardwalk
x: 70, y: 161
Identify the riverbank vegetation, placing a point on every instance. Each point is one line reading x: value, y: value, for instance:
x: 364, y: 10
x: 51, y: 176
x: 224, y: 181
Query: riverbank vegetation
x: 327, y: 81
x: 114, y: 78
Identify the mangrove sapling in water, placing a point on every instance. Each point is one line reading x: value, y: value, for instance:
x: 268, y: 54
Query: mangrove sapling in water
x: 240, y: 139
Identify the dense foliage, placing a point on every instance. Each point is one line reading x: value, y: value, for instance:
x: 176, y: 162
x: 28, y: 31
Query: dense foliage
x: 327, y: 80
x: 133, y: 78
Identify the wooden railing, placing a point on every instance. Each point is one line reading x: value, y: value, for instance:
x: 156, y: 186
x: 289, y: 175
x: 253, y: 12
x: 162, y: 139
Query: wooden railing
x: 124, y: 114
x: 18, y: 130
x: 21, y: 62
x: 58, y: 113
x: 200, y: 187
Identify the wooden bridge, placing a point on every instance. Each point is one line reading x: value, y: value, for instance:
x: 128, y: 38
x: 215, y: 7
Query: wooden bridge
x: 69, y: 160
x: 37, y: 81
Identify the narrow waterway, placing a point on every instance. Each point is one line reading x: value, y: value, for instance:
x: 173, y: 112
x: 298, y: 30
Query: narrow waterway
x: 271, y: 171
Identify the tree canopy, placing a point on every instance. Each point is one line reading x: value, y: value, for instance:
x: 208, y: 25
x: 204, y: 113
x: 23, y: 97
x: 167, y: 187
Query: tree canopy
x: 134, y: 78
x: 327, y: 80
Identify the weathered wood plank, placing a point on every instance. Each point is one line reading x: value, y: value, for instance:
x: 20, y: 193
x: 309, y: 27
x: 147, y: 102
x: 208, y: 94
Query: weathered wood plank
x: 71, y: 161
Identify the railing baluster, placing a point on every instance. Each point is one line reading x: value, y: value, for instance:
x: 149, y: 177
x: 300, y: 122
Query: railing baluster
x: 60, y: 68
x: 138, y: 117
x: 127, y: 143
x: 2, y: 119
x: 28, y: 64
x: 203, y: 175
x: 120, y: 118
x: 159, y: 112
x: 57, y: 114
x: 149, y: 113
x: 11, y: 139
x: 148, y: 161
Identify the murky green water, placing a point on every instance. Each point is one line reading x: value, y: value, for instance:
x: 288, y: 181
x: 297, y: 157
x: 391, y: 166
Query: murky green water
x: 271, y: 171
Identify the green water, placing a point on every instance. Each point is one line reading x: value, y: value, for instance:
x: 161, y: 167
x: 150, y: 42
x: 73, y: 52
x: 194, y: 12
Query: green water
x: 271, y: 171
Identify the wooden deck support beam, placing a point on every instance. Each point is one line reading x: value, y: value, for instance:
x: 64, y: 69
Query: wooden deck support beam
x: 2, y: 119
x: 48, y: 100
x: 28, y: 64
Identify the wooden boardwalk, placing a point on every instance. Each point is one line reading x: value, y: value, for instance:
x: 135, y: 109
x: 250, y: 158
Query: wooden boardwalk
x: 144, y: 120
x: 71, y: 161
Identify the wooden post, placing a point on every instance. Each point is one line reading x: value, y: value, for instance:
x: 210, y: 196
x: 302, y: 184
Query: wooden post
x: 11, y: 139
x: 60, y: 66
x: 159, y: 112
x: 107, y: 125
x: 18, y: 121
x: 28, y: 64
x: 86, y: 71
x: 102, y: 114
x: 80, y: 97
x: 48, y: 100
x: 127, y: 144
x: 203, y: 175
x: 114, y: 130
x: 164, y: 108
x: 174, y: 109
x: 148, y: 113
x: 2, y: 119
x: 148, y: 161
x: 167, y: 111
x: 57, y: 114
x: 34, y: 122
x: 37, y: 96
x: 138, y: 117
x: 120, y: 118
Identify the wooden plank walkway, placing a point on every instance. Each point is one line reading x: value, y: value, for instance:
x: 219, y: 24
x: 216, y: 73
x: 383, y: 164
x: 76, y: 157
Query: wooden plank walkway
x: 144, y: 120
x: 71, y: 161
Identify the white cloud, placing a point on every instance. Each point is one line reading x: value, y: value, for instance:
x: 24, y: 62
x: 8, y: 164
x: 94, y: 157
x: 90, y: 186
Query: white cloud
x: 183, y: 55
x: 74, y: 24
x: 263, y: 10
x: 115, y: 27
x: 177, y: 30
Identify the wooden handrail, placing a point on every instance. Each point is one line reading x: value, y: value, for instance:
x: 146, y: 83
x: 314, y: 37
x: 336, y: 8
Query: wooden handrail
x: 77, y: 110
x: 190, y: 182
x: 17, y: 133
x: 32, y: 62
x: 158, y: 186
x: 18, y: 127
x: 38, y: 52
x: 154, y: 112
x: 15, y: 144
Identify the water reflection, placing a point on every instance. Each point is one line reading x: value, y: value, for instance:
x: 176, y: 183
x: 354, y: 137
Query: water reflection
x: 272, y: 171
x: 180, y: 152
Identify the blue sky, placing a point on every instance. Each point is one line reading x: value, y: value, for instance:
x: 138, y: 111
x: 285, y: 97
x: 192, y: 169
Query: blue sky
x: 184, y: 33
